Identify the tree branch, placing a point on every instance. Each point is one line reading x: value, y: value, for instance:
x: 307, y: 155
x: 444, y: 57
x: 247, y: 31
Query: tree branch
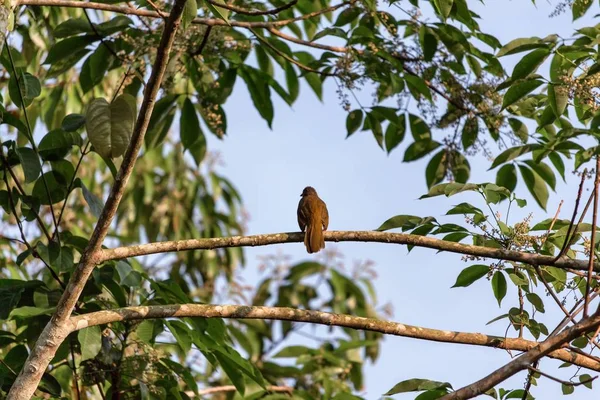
x: 154, y: 14
x: 340, y: 236
x: 231, y: 388
x: 245, y: 11
x: 592, y: 241
x: 322, y: 318
x: 55, y: 331
x: 523, y: 361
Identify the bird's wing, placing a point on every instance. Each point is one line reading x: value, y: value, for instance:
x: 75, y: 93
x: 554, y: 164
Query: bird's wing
x: 302, y: 217
x: 325, y: 216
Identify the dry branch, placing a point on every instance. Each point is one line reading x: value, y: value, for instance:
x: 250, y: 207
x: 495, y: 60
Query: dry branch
x: 341, y: 236
x: 322, y: 318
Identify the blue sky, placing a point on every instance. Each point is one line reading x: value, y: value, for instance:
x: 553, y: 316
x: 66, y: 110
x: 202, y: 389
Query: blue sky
x: 362, y: 187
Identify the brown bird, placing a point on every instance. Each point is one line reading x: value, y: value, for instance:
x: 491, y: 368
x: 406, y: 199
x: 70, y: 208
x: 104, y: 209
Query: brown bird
x: 313, y: 219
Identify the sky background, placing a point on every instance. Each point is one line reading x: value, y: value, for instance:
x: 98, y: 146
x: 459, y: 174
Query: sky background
x: 363, y: 187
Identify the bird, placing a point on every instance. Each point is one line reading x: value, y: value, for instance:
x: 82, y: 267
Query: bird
x: 313, y: 219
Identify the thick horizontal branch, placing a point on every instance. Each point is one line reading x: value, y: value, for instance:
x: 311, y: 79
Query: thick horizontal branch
x: 155, y: 14
x: 340, y: 236
x: 322, y: 318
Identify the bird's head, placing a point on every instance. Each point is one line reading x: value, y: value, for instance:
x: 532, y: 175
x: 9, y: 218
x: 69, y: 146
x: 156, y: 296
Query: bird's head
x: 308, y: 191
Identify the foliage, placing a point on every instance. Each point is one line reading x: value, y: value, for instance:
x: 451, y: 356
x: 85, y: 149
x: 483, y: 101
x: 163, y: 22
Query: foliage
x: 73, y: 80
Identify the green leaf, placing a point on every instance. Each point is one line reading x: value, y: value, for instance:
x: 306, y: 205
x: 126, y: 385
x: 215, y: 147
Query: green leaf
x: 419, y: 85
x: 471, y: 274
x: 72, y: 27
x: 95, y: 67
x: 219, y: 12
x: 30, y: 312
x: 302, y: 270
x: 347, y: 16
x: 23, y: 88
x: 72, y: 122
x: 587, y: 379
x: 32, y: 168
x: 464, y: 208
x: 420, y: 149
x: 374, y: 123
x: 519, y: 90
x: 56, y: 144
x: 292, y: 82
x: 418, y: 128
x: 182, y: 335
x: 57, y: 189
x: 11, y: 291
x: 109, y: 126
x: 558, y: 97
x: 499, y: 286
x: 536, y: 301
x: 415, y: 385
x: 68, y: 47
x: 519, y: 128
x: 399, y: 221
x: 90, y: 341
x: 189, y: 125
x: 428, y: 42
x: 507, y: 177
x: 354, y: 121
x: 435, y: 172
x: 444, y: 7
x: 510, y: 154
x: 567, y: 389
x: 536, y: 185
x: 579, y: 8
x: 93, y: 201
x: 190, y: 10
x: 530, y: 63
x: 259, y: 92
x: 544, y: 171
x: 470, y: 132
x: 395, y: 132
x: 519, y: 45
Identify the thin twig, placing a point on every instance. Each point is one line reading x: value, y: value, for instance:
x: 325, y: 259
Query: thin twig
x: 70, y: 187
x: 33, y: 252
x: 245, y: 11
x: 555, y: 379
x: 288, y: 58
x: 200, y: 21
x: 529, y: 382
x: 21, y: 191
x: 29, y: 128
x: 567, y: 238
x: 203, y: 43
x: 593, y: 241
x: 74, y: 368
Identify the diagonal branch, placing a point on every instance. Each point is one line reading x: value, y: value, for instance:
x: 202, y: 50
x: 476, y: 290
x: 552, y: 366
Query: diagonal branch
x: 340, y: 236
x: 322, y: 318
x: 525, y: 360
x: 55, y: 331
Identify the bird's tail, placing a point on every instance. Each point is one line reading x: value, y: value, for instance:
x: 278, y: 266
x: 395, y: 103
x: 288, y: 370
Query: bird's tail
x: 313, y: 238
